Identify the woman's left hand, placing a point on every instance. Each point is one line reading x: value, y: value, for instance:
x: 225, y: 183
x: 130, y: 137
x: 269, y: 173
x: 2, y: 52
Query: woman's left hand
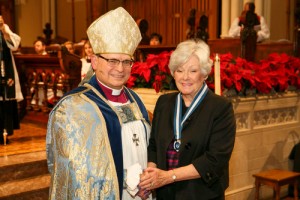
x: 153, y: 178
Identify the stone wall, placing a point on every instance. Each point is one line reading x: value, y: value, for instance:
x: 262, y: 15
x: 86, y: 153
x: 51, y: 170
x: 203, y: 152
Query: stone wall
x: 267, y: 129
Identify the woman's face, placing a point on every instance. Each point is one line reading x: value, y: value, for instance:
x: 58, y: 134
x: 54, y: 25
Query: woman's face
x: 88, y: 50
x: 188, y: 77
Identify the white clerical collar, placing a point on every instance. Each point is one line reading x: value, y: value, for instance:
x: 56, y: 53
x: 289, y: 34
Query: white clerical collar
x: 114, y: 92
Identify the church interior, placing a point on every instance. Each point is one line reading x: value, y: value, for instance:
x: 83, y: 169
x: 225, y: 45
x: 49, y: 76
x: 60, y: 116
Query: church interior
x: 268, y: 121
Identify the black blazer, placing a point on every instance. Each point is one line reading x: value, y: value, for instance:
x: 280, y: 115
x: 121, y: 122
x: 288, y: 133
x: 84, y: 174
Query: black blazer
x: 207, y: 142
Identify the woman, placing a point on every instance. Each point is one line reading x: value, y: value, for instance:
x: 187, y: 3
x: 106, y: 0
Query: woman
x: 193, y: 132
x: 86, y: 58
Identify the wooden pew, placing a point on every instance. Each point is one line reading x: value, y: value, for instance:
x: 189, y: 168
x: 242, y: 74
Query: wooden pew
x: 38, y: 74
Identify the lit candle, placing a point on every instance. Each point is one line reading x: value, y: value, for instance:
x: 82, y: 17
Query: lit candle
x: 217, y: 75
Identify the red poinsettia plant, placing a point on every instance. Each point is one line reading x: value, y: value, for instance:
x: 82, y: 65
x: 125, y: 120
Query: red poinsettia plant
x: 276, y: 73
x: 153, y: 73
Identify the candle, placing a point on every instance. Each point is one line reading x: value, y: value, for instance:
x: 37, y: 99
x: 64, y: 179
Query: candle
x: 217, y: 75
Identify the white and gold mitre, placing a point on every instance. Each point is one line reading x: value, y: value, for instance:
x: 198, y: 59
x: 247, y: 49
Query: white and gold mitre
x: 114, y: 32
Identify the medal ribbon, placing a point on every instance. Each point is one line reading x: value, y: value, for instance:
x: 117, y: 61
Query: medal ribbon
x: 178, y: 121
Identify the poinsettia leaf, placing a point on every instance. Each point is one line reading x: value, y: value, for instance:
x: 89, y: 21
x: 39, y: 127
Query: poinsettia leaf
x: 131, y: 81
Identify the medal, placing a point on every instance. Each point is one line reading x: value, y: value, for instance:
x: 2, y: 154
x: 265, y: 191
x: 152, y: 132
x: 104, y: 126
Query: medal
x: 178, y: 120
x: 177, y: 144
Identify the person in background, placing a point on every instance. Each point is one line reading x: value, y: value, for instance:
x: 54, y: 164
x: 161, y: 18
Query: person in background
x: 10, y: 90
x: 191, y: 21
x: 202, y: 29
x: 143, y: 26
x: 155, y: 39
x: 98, y: 133
x: 48, y: 32
x: 69, y: 46
x: 40, y: 47
x: 86, y: 58
x: 261, y: 26
x: 193, y: 132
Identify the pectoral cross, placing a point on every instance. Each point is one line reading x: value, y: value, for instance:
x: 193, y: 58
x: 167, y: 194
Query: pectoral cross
x: 135, y: 140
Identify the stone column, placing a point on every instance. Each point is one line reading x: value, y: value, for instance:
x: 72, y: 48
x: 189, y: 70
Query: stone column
x: 267, y: 5
x: 48, y: 15
x: 235, y: 10
x: 259, y: 7
x: 225, y: 19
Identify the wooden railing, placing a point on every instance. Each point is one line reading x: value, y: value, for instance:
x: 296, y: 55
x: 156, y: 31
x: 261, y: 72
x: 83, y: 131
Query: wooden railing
x: 223, y: 46
x: 40, y: 75
x: 266, y: 48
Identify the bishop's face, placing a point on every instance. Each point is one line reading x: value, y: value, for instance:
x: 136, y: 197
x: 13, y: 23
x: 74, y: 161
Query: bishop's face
x: 113, y: 70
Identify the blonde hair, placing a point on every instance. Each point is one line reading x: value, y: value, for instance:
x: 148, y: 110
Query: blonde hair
x: 83, y: 54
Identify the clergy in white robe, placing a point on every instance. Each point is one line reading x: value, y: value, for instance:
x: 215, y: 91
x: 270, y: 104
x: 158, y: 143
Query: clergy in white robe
x: 10, y: 89
x: 261, y: 27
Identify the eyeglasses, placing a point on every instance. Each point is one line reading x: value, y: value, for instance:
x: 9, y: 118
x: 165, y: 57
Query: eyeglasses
x: 116, y: 62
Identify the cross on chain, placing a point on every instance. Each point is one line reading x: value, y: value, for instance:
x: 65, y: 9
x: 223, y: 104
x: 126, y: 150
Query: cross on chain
x: 135, y: 140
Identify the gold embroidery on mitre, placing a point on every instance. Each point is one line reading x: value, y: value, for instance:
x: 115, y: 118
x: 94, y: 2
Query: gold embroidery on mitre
x: 114, y: 32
